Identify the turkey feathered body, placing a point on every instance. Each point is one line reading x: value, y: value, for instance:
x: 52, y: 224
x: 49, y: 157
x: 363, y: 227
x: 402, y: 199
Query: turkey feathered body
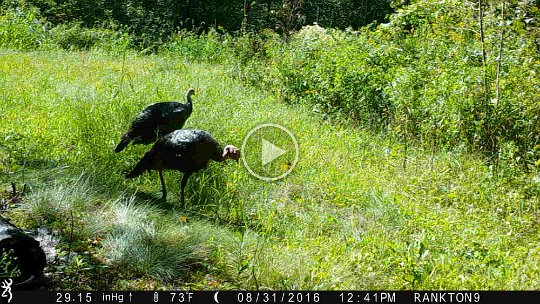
x: 185, y: 150
x: 155, y: 121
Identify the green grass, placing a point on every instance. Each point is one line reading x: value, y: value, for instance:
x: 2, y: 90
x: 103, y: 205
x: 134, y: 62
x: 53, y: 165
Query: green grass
x: 360, y: 211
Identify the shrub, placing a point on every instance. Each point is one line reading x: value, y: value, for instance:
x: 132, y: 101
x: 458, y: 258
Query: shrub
x: 75, y: 37
x: 22, y: 28
x: 422, y: 76
x: 8, y: 265
x: 334, y: 71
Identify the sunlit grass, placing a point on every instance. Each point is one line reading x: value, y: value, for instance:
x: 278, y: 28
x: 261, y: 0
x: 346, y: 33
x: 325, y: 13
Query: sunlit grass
x: 360, y: 211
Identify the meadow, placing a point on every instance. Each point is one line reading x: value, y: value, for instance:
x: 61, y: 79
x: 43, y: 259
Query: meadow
x: 365, y: 208
x: 359, y: 212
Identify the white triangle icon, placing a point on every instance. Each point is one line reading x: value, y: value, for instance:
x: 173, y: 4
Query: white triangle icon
x: 270, y: 152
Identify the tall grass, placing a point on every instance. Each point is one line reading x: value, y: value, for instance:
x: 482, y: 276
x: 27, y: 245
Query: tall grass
x: 361, y: 210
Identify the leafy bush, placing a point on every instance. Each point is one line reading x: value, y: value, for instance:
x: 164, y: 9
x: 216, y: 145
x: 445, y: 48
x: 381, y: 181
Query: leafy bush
x: 75, y: 37
x: 422, y: 75
x: 21, y: 28
x: 333, y: 70
x: 9, y: 267
x: 249, y: 58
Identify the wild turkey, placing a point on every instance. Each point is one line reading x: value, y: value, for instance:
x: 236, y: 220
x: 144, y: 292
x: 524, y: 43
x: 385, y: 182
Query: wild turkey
x: 157, y: 120
x: 185, y: 150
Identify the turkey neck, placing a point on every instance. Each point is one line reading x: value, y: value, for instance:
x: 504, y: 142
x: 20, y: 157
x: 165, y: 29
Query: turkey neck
x: 223, y: 155
x: 189, y: 105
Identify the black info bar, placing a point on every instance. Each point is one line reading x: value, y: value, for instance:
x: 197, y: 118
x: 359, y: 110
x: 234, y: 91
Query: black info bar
x: 246, y: 297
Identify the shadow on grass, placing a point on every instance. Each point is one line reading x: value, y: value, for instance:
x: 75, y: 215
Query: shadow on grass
x: 154, y: 199
x: 208, y: 197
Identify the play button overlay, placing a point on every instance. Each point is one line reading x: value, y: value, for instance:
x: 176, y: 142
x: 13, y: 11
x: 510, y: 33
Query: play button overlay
x: 270, y: 152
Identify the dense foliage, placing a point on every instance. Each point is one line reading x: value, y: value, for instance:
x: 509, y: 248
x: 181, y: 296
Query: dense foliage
x: 423, y: 75
x: 154, y: 20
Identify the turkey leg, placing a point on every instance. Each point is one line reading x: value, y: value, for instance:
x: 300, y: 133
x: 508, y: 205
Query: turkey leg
x: 163, y: 189
x: 183, y: 185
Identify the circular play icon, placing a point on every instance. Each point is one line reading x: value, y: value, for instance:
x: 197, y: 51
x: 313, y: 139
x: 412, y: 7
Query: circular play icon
x: 270, y: 152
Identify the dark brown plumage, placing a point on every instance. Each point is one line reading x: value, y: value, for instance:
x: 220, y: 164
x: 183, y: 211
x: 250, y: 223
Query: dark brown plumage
x: 187, y: 151
x: 157, y: 120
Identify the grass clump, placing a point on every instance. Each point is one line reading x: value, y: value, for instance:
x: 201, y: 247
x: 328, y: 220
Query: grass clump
x: 100, y: 236
x: 139, y: 243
